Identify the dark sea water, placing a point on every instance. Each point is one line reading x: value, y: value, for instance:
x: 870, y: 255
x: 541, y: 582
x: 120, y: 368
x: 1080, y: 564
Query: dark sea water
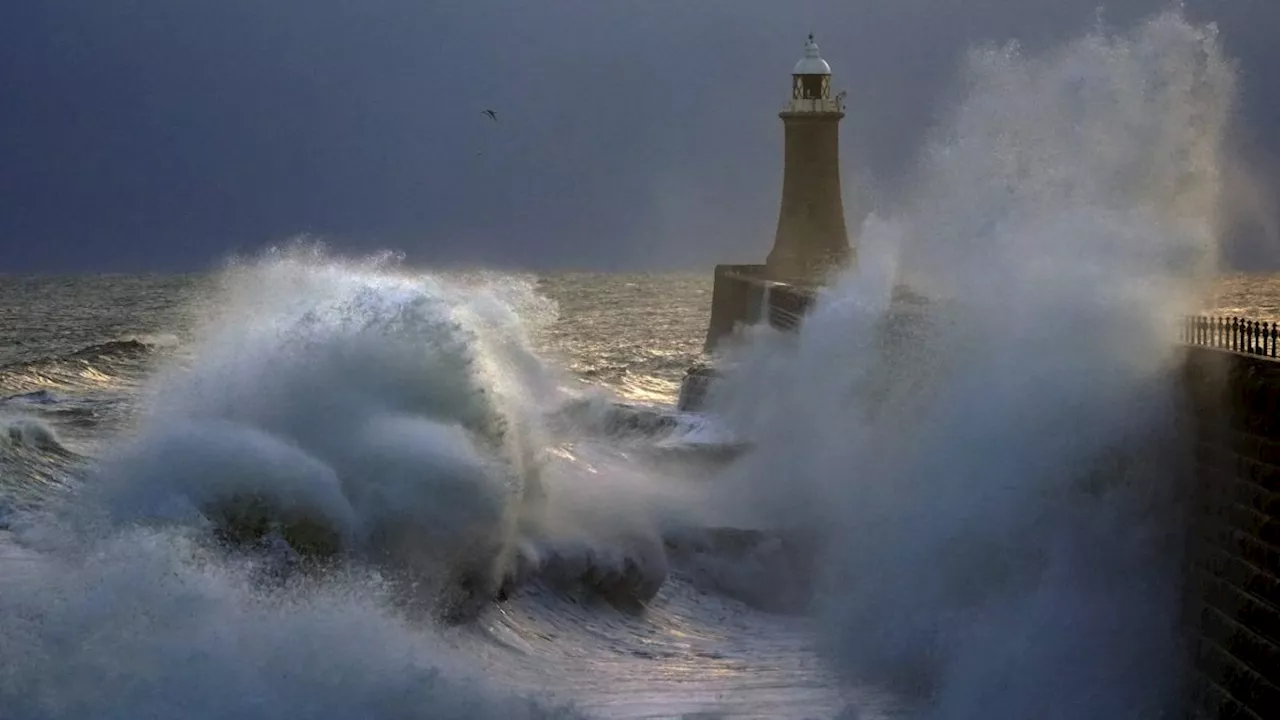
x: 1256, y: 297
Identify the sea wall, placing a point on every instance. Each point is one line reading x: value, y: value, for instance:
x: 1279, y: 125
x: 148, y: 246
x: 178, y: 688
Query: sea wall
x: 1232, y: 610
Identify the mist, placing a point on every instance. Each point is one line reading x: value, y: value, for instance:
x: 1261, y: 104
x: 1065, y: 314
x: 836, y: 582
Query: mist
x: 151, y: 135
x: 993, y: 467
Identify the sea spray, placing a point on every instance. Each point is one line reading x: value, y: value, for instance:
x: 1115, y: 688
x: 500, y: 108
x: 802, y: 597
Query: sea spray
x: 388, y: 433
x: 395, y: 411
x: 148, y: 624
x: 353, y: 411
x: 989, y: 465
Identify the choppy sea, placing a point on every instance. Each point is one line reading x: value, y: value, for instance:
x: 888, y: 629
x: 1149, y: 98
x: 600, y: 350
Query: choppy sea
x: 89, y: 365
x: 84, y: 361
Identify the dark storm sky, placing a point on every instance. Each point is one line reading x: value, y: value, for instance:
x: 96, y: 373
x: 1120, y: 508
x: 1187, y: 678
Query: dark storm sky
x: 632, y: 134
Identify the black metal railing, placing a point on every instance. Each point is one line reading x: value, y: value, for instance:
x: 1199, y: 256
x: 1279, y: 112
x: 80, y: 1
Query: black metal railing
x: 1252, y: 337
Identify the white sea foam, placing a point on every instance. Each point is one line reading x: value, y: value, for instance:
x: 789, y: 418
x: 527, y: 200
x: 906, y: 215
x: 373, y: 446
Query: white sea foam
x: 403, y: 414
x: 142, y: 625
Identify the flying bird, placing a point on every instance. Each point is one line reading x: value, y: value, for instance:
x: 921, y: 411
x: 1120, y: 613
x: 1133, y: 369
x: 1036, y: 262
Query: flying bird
x: 492, y: 115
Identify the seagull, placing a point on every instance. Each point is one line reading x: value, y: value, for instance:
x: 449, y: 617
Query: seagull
x: 492, y: 115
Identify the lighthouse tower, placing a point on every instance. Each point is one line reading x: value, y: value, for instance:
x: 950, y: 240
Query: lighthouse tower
x: 811, y: 240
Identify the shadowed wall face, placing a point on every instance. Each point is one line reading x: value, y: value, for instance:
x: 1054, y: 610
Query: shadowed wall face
x: 1233, y: 578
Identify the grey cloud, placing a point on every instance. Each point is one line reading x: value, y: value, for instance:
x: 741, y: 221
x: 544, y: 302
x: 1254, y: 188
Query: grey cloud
x: 150, y: 134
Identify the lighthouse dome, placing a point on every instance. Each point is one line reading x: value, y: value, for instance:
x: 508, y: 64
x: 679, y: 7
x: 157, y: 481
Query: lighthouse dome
x: 812, y: 62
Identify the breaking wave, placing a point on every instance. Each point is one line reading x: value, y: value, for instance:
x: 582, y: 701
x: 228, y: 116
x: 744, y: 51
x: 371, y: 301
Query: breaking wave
x: 350, y: 463
x: 345, y: 448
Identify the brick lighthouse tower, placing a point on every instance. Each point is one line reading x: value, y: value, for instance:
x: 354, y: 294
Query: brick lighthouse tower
x: 811, y: 239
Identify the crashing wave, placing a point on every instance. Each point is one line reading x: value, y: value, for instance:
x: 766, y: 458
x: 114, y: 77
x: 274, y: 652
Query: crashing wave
x: 384, y: 413
x: 332, y: 414
x: 29, y: 433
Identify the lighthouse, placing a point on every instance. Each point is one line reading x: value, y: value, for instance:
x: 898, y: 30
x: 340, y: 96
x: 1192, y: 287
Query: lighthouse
x: 811, y: 240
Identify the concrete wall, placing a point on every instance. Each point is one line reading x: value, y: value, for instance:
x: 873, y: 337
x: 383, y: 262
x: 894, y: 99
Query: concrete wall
x: 736, y: 299
x: 1233, y: 562
x: 741, y: 296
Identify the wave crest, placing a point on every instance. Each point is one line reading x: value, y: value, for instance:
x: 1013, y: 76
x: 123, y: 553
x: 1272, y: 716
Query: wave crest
x: 397, y: 414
